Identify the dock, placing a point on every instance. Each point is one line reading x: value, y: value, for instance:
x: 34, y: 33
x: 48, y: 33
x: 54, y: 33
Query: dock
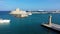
x: 51, y: 25
x: 55, y: 27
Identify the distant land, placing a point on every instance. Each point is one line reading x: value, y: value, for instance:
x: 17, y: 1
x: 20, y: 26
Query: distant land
x: 34, y: 12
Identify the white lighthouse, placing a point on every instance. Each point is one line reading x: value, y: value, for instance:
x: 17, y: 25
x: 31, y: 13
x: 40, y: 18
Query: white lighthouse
x: 50, y: 18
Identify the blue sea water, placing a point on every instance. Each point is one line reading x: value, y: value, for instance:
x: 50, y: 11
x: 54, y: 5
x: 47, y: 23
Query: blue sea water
x: 28, y: 25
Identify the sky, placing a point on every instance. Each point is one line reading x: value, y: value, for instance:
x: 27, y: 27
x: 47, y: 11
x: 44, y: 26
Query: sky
x: 8, y: 5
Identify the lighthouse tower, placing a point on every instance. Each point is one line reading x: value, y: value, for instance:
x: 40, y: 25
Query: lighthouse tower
x: 50, y: 18
x: 17, y: 9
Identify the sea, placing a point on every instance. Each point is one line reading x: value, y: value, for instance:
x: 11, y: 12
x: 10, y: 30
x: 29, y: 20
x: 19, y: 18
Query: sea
x: 28, y: 25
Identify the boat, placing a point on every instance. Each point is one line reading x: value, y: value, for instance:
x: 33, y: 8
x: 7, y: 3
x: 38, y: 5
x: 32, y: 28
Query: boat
x: 29, y: 13
x: 4, y: 20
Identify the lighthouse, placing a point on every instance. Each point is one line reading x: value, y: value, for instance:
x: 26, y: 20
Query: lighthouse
x: 50, y: 18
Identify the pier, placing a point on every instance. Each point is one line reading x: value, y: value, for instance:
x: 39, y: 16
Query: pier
x: 51, y: 25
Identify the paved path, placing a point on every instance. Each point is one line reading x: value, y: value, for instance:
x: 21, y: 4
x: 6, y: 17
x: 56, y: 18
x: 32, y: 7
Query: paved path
x: 53, y: 26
